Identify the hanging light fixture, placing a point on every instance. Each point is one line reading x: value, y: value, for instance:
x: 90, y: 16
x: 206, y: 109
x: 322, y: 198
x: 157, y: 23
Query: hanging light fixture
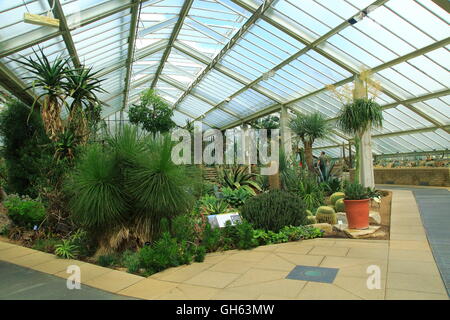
x: 41, y: 20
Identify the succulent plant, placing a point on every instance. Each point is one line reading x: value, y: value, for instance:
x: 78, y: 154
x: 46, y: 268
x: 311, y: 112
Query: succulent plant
x: 336, y: 196
x: 326, y: 214
x: 339, y: 205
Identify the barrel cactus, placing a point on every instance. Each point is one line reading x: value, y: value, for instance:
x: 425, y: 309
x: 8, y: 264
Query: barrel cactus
x: 326, y: 214
x: 335, y: 197
x: 311, y: 219
x: 339, y: 205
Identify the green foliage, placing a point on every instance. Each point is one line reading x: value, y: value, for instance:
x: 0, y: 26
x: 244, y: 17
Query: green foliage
x: 46, y: 245
x: 131, y: 261
x: 310, y: 127
x: 107, y: 260
x: 237, y: 177
x: 274, y: 210
x: 200, y: 254
x: 166, y: 253
x: 287, y: 233
x: 309, y: 191
x: 355, y: 191
x: 236, y: 197
x: 66, y: 249
x: 339, y: 205
x: 268, y: 123
x: 212, y: 205
x: 97, y: 197
x: 212, y: 238
x: 153, y: 113
x: 336, y: 196
x: 245, y: 239
x: 360, y: 115
x: 25, y: 211
x: 130, y: 181
x: 23, y: 138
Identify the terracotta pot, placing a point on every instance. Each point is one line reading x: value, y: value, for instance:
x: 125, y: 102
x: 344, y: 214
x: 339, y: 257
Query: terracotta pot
x: 357, y: 213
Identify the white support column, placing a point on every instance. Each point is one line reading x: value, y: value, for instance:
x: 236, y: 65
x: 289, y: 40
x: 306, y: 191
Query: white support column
x: 366, y: 176
x: 285, y: 132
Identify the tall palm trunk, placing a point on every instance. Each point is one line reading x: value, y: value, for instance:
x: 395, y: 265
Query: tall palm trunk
x: 308, y: 155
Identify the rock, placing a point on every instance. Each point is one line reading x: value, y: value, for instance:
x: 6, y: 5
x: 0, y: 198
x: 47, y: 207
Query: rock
x: 358, y: 234
x: 342, y: 216
x: 326, y: 227
x: 374, y: 217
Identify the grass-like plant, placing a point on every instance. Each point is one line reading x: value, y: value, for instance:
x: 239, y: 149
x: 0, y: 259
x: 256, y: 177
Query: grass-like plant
x: 125, y: 188
x: 97, y: 196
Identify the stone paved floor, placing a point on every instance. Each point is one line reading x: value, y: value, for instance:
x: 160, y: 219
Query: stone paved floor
x: 407, y: 268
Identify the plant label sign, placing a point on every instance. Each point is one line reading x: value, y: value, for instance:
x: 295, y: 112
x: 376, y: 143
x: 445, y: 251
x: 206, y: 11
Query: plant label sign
x: 220, y: 220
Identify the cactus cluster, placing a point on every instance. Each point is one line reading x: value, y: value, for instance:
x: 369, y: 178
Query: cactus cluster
x: 335, y: 197
x: 326, y: 214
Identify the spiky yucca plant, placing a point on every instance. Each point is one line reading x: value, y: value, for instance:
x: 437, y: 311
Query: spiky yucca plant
x: 50, y: 78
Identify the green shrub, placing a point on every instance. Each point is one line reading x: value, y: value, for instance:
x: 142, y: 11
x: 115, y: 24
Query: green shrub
x: 46, y: 245
x: 212, y: 205
x: 107, y: 260
x: 66, y: 250
x: 25, y: 211
x: 326, y: 214
x: 130, y: 180
x: 336, y: 196
x: 245, y: 239
x: 23, y: 138
x: 274, y: 210
x: 200, y: 253
x: 164, y: 253
x: 236, y: 197
x: 340, y: 205
x: 131, y: 261
x: 212, y: 238
x: 183, y: 228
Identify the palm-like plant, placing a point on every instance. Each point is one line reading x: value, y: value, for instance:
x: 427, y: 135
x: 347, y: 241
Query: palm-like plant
x: 83, y: 85
x: 50, y: 78
x: 308, y: 128
x: 356, y: 118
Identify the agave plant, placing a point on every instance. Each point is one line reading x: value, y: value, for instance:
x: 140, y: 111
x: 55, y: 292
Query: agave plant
x: 50, y: 78
x: 212, y: 205
x: 82, y: 86
x: 308, y: 128
x: 237, y: 177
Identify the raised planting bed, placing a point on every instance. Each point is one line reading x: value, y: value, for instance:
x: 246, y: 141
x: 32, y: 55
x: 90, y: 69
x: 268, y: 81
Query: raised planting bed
x: 425, y: 176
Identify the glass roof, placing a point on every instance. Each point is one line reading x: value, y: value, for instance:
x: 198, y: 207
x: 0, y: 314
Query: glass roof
x: 226, y: 62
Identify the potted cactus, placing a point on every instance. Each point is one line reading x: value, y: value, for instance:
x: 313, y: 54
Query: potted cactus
x: 356, y: 202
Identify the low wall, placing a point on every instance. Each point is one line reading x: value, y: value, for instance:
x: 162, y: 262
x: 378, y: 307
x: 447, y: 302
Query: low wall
x: 438, y: 177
